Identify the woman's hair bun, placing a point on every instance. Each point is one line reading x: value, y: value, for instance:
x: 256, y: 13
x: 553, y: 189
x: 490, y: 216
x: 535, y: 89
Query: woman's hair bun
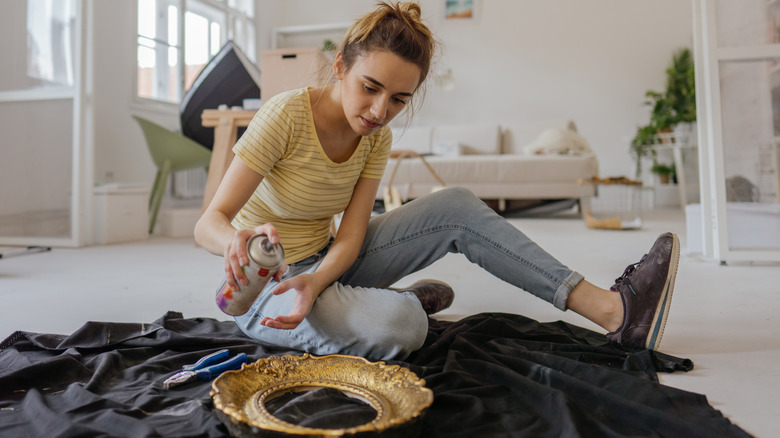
x: 412, y: 9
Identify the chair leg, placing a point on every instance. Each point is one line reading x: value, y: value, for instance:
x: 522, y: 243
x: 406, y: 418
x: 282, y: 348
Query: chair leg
x: 157, y: 179
x: 157, y: 194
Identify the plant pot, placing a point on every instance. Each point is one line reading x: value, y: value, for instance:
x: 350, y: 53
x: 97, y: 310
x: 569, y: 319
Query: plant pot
x: 663, y: 178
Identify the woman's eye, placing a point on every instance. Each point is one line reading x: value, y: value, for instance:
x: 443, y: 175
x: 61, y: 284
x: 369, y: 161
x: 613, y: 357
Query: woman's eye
x: 399, y: 101
x: 369, y: 89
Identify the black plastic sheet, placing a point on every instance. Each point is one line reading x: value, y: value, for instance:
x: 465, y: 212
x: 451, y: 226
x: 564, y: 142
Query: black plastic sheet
x: 492, y: 375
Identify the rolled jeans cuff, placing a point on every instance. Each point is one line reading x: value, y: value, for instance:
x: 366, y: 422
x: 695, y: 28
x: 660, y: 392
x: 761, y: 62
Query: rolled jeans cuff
x: 568, y: 285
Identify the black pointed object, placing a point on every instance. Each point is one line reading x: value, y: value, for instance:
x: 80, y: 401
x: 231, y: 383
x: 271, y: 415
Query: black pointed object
x: 228, y: 79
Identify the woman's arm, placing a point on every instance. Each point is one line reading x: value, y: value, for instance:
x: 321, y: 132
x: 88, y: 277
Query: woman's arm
x: 352, y: 231
x: 341, y: 255
x: 214, y: 231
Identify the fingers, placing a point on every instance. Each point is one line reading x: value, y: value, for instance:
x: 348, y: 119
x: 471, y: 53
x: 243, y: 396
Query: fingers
x: 304, y: 301
x: 235, y: 258
x: 231, y: 265
x: 269, y: 230
x: 280, y: 273
x: 282, y: 322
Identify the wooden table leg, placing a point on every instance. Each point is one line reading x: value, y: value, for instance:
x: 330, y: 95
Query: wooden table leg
x: 221, y: 155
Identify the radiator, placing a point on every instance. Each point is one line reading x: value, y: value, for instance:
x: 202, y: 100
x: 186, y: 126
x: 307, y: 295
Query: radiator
x: 189, y: 184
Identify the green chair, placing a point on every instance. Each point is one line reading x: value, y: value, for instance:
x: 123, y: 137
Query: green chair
x: 171, y: 152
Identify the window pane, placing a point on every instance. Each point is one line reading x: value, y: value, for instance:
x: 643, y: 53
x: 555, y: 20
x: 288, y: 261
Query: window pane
x: 173, y: 26
x: 146, y: 72
x: 174, y: 83
x: 216, y: 38
x: 158, y: 74
x: 747, y: 22
x: 31, y: 208
x: 50, y: 27
x: 748, y: 123
x: 158, y: 20
x: 147, y: 18
x: 245, y: 6
x: 245, y: 37
x: 196, y: 43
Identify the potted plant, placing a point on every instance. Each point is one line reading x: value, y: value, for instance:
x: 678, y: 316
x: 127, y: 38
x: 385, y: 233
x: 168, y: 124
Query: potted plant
x: 329, y: 48
x: 674, y: 109
x: 681, y: 94
x: 664, y: 172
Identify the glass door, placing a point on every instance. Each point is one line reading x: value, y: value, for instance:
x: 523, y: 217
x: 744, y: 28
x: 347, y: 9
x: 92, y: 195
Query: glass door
x: 738, y: 66
x: 42, y: 171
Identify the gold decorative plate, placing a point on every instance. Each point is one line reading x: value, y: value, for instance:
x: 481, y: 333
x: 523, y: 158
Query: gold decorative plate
x: 397, y: 395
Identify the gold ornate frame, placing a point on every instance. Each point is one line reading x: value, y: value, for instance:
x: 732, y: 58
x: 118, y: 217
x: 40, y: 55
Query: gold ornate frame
x: 397, y: 395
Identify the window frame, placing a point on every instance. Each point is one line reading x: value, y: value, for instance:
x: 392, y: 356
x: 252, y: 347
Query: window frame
x: 231, y: 16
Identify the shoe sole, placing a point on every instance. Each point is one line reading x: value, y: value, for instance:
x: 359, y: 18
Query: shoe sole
x: 664, y: 303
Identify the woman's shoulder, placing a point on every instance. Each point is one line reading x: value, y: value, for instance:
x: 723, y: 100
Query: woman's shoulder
x: 289, y: 99
x: 287, y: 108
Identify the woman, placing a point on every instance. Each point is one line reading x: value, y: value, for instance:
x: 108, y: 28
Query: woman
x: 311, y: 153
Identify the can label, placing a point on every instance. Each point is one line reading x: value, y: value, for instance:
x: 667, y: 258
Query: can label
x: 265, y: 259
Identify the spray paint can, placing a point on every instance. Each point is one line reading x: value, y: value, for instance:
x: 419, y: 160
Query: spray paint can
x: 265, y: 259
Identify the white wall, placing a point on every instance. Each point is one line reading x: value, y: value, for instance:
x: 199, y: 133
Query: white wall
x: 590, y: 61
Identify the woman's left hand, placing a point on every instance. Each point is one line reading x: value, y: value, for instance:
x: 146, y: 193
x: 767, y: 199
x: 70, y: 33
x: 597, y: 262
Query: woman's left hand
x: 307, y: 290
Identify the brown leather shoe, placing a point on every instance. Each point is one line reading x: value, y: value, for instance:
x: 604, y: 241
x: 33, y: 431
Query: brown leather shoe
x: 646, y: 290
x: 434, y: 295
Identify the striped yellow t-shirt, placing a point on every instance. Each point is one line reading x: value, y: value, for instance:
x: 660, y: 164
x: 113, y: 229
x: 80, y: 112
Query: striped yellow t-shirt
x: 302, y: 188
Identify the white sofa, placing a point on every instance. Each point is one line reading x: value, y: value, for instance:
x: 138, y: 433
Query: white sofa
x: 494, y: 162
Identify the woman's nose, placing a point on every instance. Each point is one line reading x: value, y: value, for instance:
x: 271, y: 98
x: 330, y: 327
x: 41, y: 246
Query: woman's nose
x: 379, y: 109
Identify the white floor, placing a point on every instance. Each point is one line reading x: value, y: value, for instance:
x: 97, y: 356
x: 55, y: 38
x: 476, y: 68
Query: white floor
x: 724, y: 318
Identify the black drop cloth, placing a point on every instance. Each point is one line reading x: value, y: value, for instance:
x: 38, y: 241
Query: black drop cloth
x: 491, y: 374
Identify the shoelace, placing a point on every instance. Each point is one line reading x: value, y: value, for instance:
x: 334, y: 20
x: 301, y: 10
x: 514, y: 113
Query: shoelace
x: 627, y: 272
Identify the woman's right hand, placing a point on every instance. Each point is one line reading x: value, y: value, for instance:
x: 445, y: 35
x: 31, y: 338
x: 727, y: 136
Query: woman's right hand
x: 236, y: 256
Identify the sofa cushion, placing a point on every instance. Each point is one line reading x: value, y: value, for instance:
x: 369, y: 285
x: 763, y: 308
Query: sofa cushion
x: 417, y: 138
x: 517, y: 136
x: 448, y: 149
x: 546, y: 168
x: 472, y: 138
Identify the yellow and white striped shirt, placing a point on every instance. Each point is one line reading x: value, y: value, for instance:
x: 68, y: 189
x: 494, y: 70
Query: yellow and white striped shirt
x: 302, y: 188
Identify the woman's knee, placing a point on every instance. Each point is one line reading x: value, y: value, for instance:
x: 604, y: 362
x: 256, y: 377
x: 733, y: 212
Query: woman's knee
x: 369, y: 322
x: 398, y: 335
x: 460, y: 194
x: 457, y: 205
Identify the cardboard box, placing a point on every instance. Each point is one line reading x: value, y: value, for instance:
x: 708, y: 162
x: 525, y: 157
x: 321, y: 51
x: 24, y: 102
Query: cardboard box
x: 289, y: 69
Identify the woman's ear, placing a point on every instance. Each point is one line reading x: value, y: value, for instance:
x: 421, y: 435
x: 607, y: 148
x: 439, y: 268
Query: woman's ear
x: 338, y: 67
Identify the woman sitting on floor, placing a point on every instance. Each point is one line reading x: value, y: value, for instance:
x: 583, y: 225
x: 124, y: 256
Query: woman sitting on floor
x: 311, y: 153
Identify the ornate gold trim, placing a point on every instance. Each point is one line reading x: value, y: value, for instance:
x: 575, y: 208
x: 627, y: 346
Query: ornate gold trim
x: 396, y: 394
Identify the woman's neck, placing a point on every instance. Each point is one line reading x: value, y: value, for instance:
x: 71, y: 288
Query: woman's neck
x: 336, y: 136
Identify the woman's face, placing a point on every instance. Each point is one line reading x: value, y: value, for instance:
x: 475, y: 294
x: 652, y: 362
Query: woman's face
x: 377, y: 87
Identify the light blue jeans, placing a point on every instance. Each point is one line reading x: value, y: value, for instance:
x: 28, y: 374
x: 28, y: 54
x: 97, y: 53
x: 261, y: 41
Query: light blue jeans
x: 358, y: 316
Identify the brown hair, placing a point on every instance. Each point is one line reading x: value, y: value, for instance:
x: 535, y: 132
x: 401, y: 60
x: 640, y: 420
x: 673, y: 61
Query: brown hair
x: 396, y: 28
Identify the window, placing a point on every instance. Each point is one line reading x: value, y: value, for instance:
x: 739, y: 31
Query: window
x: 50, y: 26
x: 176, y: 39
